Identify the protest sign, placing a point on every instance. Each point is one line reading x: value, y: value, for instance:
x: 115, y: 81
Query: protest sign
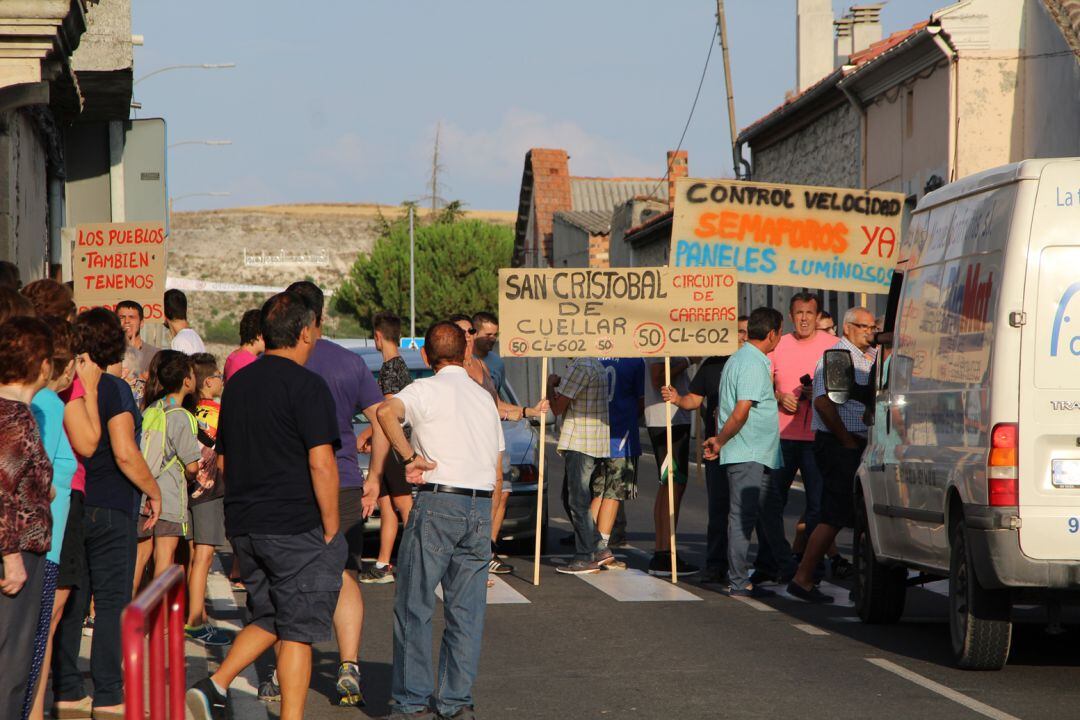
x: 792, y: 235
x: 120, y: 261
x: 621, y: 312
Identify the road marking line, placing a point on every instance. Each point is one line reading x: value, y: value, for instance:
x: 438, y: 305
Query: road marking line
x: 498, y: 594
x: 946, y: 692
x: 756, y: 604
x: 244, y: 691
x: 810, y: 629
x: 636, y: 586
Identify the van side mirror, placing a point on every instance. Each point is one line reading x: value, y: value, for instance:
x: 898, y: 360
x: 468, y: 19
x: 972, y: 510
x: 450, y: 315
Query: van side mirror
x: 839, y: 375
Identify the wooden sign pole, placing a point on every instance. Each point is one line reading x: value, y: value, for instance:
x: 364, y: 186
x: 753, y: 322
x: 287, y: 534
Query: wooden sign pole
x: 540, y: 469
x: 670, y: 475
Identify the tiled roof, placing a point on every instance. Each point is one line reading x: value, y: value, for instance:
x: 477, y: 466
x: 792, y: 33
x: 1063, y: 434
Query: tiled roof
x: 855, y: 61
x: 1067, y: 15
x: 591, y: 221
x: 605, y: 194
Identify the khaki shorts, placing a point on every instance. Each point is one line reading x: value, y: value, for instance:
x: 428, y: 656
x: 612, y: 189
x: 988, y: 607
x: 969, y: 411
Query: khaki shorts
x: 615, y: 479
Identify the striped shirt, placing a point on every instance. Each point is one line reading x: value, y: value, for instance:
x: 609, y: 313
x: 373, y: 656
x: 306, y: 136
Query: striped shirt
x: 851, y: 412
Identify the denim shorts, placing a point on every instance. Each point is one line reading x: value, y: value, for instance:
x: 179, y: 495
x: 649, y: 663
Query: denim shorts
x: 292, y: 582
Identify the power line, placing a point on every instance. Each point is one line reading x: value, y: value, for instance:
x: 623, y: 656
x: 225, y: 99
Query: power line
x: 693, y: 107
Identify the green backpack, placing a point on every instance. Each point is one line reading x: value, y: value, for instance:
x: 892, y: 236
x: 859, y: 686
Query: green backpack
x: 155, y: 436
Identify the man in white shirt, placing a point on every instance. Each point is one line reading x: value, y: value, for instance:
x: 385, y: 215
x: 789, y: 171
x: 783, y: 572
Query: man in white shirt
x: 184, y: 338
x: 457, y: 463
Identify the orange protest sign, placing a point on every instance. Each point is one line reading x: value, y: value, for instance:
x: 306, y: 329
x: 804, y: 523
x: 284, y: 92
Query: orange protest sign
x: 621, y: 312
x: 793, y: 235
x: 120, y: 261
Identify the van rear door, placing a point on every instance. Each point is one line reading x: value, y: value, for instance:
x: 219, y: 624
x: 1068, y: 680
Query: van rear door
x: 1049, y: 428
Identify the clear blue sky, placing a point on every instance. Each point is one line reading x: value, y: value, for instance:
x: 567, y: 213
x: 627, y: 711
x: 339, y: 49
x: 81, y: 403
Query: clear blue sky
x: 337, y: 101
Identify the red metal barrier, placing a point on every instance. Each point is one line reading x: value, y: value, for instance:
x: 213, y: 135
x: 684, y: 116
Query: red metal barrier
x: 163, y: 603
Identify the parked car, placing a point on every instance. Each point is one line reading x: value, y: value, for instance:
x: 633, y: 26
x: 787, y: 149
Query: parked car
x: 972, y: 471
x: 518, y: 530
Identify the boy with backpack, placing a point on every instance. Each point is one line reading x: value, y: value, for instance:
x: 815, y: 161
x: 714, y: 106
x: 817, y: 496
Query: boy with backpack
x: 207, y: 508
x: 172, y: 453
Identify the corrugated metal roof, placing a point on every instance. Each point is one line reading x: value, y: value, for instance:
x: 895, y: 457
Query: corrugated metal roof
x: 604, y: 194
x: 591, y: 221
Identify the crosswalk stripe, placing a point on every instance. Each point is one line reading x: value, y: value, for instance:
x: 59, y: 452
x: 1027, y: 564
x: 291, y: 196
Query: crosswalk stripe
x: 498, y: 594
x: 636, y: 586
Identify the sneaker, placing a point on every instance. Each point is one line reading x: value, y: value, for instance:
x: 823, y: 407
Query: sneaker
x: 204, y: 702
x: 465, y: 712
x: 88, y: 626
x: 350, y: 685
x: 712, y: 576
x: 841, y: 567
x: 760, y: 577
x: 375, y: 575
x: 269, y: 690
x: 751, y: 591
x: 579, y: 567
x: 615, y: 564
x: 207, y: 634
x: 603, y: 557
x: 498, y: 567
x: 660, y: 565
x: 813, y: 595
x: 618, y: 541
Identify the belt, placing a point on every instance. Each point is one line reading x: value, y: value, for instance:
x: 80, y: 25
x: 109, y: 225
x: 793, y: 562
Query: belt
x: 438, y: 488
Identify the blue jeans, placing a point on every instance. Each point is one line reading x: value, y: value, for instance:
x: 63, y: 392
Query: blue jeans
x: 109, y: 536
x: 447, y: 541
x: 745, y: 481
x: 775, y: 558
x: 716, y: 488
x: 579, y: 472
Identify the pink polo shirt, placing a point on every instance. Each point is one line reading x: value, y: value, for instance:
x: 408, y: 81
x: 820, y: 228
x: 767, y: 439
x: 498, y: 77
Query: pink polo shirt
x: 238, y: 360
x: 791, y: 360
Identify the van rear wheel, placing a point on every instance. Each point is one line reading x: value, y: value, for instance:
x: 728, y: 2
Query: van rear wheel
x: 880, y: 590
x: 979, y: 619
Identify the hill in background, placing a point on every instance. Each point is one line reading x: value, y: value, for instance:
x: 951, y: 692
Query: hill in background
x: 207, y: 252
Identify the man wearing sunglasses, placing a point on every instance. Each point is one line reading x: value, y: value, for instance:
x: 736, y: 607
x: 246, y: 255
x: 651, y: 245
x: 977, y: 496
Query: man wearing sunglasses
x: 839, y: 441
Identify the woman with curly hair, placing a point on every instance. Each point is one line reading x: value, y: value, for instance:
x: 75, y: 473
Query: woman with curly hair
x: 116, y: 474
x: 26, y: 350
x: 50, y: 299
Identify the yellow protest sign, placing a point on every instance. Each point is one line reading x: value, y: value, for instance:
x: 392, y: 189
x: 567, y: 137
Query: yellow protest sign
x: 622, y: 312
x: 120, y: 261
x: 793, y: 235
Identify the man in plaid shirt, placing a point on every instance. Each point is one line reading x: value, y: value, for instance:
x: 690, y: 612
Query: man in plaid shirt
x: 583, y: 401
x: 839, y: 441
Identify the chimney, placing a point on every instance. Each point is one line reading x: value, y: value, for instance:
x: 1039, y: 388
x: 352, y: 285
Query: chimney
x: 814, y: 51
x: 678, y: 164
x: 844, y: 47
x: 866, y: 25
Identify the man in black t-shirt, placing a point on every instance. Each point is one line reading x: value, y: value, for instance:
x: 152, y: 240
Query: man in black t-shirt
x: 277, y: 434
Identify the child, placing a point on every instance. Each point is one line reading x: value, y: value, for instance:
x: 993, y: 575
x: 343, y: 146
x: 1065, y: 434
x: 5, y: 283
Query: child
x: 207, y: 509
x: 172, y: 452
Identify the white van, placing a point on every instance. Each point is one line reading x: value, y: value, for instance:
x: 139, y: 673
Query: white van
x: 972, y: 471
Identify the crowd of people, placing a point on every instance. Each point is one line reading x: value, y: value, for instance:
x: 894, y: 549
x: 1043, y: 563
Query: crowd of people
x: 121, y: 459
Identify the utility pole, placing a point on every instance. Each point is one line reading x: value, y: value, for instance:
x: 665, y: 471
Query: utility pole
x: 435, y: 168
x: 722, y: 25
x: 412, y: 280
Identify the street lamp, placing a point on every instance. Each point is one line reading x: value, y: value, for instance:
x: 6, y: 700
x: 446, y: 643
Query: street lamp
x: 202, y: 66
x: 200, y: 142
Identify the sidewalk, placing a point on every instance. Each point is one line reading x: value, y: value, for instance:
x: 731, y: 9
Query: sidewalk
x: 226, y: 614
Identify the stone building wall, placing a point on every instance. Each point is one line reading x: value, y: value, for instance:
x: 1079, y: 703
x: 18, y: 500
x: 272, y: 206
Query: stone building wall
x: 826, y: 152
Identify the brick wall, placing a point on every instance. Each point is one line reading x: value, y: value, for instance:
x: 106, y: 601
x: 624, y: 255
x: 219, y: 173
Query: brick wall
x: 551, y: 193
x: 678, y: 164
x: 599, y: 251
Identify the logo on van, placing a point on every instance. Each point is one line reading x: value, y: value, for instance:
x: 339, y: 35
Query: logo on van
x: 1061, y: 318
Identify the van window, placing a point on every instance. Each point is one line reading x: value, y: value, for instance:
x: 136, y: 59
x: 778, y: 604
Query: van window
x: 1057, y: 333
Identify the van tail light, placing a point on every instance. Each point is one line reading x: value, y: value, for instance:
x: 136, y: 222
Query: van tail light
x: 1002, y: 467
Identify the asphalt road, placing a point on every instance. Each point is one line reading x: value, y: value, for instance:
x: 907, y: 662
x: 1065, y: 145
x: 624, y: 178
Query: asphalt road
x: 570, y: 649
